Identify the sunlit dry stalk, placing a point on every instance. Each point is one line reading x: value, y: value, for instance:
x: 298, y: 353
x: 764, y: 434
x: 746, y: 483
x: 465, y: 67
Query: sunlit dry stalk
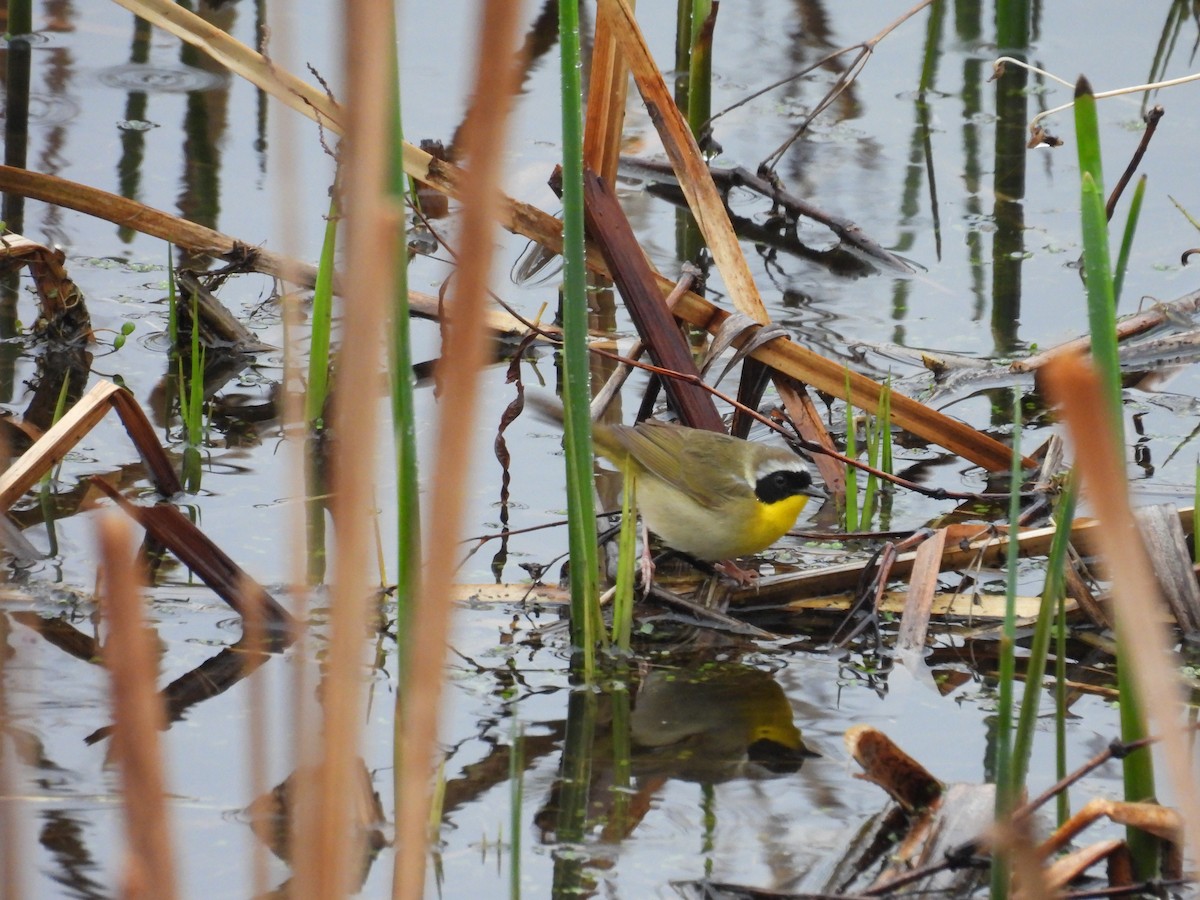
x: 253, y: 646
x: 302, y: 738
x: 464, y: 353
x: 331, y: 838
x: 1137, y: 603
x: 138, y: 718
x: 11, y: 840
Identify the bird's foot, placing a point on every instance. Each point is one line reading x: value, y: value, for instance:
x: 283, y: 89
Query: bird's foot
x: 647, y: 563
x: 730, y: 569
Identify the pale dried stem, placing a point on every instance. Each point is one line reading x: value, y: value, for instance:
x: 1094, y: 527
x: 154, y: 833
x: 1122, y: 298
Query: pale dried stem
x: 138, y: 719
x: 302, y: 742
x: 465, y: 348
x: 1000, y: 62
x: 334, y: 839
x: 1137, y: 604
x: 253, y: 644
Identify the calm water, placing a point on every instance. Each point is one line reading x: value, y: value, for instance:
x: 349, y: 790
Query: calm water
x: 991, y: 228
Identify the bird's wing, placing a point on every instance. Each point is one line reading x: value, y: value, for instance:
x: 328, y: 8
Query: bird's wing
x: 685, y: 459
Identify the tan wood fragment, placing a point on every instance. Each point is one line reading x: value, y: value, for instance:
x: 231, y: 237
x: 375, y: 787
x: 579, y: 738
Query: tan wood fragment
x: 922, y: 586
x: 1165, y: 542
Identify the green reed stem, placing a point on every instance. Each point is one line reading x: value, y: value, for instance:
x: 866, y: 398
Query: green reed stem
x: 577, y: 423
x: 1138, y: 766
x: 1006, y: 781
x: 516, y: 781
x: 20, y: 17
x: 622, y: 612
x: 699, y: 97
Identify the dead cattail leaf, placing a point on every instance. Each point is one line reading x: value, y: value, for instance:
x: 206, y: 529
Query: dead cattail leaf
x: 1152, y: 818
x: 905, y: 780
x: 63, y: 314
x: 1067, y: 868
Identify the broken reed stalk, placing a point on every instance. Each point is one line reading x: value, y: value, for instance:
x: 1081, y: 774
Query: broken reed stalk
x: 465, y: 345
x: 138, y: 718
x: 330, y: 839
x: 608, y: 88
x: 1137, y: 604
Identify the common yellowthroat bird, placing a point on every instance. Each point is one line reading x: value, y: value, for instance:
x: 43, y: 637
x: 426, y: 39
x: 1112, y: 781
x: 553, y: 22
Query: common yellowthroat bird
x: 708, y: 495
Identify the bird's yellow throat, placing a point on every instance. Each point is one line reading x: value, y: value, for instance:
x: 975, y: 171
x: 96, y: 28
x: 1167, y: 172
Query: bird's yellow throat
x: 771, y: 521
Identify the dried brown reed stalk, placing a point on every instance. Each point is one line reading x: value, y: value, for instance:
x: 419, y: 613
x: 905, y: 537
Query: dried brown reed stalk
x: 253, y: 645
x: 463, y: 354
x: 138, y: 717
x: 11, y: 840
x: 1137, y: 604
x: 303, y: 741
x: 328, y: 848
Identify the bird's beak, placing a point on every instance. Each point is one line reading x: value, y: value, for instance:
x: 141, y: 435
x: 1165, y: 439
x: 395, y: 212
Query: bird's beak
x: 815, y: 490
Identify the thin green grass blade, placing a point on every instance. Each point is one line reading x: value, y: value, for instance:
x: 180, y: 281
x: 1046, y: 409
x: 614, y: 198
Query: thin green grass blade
x: 887, y: 464
x: 874, y: 440
x: 1135, y: 209
x: 577, y: 423
x: 321, y: 323
x: 1196, y: 517
x: 404, y: 414
x: 1063, y: 801
x: 1052, y: 597
x: 851, y: 472
x: 172, y: 301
